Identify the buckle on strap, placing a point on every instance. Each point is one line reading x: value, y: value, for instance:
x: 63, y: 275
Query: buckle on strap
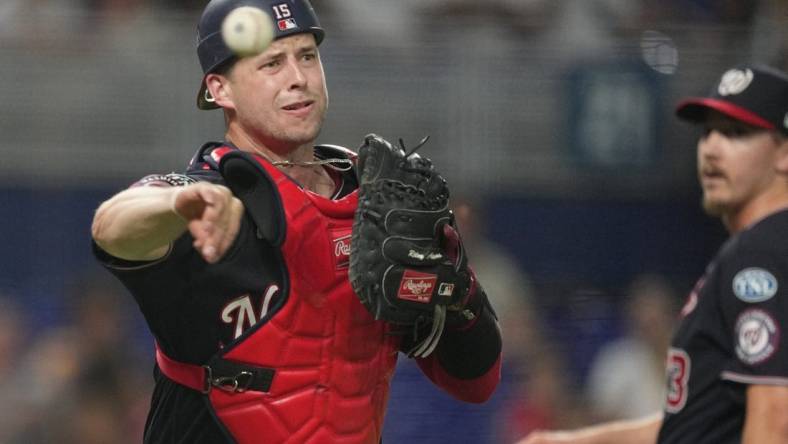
x: 230, y: 376
x: 248, y: 378
x: 238, y: 383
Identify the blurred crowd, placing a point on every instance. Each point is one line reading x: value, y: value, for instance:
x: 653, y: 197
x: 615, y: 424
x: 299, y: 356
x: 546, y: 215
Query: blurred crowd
x: 85, y: 380
x: 583, y: 25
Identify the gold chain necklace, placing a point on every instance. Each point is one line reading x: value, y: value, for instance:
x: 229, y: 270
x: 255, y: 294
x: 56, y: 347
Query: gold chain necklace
x: 333, y: 163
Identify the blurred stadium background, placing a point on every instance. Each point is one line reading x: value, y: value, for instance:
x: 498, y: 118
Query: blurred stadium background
x: 552, y: 120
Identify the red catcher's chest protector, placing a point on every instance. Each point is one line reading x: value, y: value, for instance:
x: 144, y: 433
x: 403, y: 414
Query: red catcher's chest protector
x: 333, y: 362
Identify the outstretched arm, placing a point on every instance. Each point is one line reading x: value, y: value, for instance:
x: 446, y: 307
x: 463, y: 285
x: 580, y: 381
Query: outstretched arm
x: 140, y: 223
x: 641, y: 431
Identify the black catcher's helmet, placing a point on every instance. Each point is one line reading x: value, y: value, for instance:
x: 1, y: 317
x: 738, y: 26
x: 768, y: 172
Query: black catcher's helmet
x: 289, y: 17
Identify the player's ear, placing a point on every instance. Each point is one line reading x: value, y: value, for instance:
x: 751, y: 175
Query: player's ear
x: 219, y: 88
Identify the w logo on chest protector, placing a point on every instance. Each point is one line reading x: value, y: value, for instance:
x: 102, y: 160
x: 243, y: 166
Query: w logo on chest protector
x: 241, y: 312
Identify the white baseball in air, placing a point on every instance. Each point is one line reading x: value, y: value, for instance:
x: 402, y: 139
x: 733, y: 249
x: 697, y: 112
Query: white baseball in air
x: 247, y: 31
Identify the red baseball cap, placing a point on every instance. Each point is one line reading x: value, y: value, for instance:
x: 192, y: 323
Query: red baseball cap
x: 753, y: 94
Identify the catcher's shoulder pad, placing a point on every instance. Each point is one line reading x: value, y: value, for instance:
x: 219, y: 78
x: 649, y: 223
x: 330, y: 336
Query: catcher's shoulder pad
x: 202, y: 167
x: 202, y: 159
x: 252, y: 184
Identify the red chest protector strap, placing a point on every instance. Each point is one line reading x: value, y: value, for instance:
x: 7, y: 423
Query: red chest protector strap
x: 220, y: 373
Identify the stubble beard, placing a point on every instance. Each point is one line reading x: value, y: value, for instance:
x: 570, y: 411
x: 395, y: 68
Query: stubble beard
x: 712, y: 208
x: 289, y: 137
x: 301, y: 135
x: 721, y: 208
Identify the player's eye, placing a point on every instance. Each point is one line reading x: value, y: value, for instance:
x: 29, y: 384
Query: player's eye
x: 729, y: 131
x: 705, y: 132
x: 736, y: 131
x: 269, y: 64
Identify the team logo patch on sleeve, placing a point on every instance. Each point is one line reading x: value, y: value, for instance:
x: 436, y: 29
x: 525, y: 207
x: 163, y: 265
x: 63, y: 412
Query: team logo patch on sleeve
x: 757, y: 336
x: 754, y: 285
x: 172, y: 179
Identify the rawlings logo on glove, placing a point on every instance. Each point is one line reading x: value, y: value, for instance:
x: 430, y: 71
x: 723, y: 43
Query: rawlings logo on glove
x: 407, y: 265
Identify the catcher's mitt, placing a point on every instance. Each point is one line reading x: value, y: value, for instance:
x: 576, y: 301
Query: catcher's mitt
x: 406, y: 262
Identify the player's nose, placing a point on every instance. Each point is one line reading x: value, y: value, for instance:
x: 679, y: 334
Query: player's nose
x: 711, y: 143
x: 297, y: 76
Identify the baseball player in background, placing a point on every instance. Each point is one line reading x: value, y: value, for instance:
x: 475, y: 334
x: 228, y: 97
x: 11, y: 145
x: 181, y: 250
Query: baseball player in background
x: 727, y: 367
x: 240, y: 265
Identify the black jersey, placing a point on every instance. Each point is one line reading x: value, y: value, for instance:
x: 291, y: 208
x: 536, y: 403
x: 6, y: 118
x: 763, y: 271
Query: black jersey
x: 193, y: 308
x: 730, y: 336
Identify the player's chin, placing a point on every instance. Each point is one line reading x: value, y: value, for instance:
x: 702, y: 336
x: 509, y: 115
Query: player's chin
x: 714, y: 206
x: 308, y: 129
x: 302, y: 134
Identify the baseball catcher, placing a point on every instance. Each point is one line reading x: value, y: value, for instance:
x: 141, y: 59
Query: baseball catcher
x: 407, y: 263
x: 240, y: 263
